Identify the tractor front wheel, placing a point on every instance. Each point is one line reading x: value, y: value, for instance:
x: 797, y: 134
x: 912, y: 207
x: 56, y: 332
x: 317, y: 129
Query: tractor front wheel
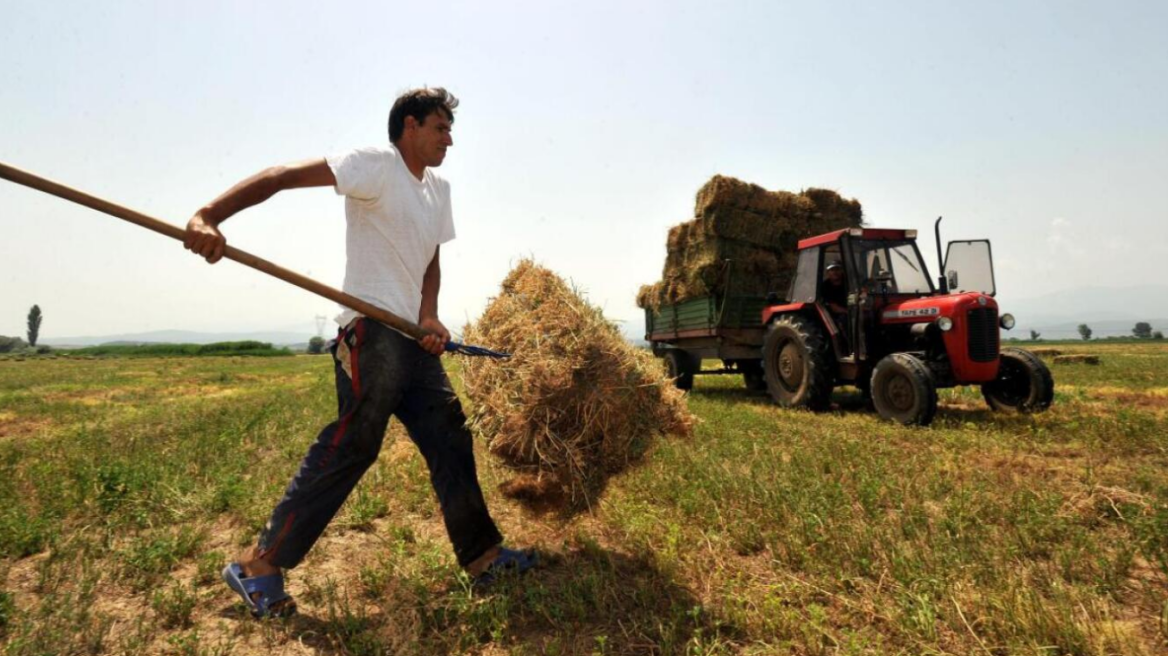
x: 796, y: 364
x: 903, y: 389
x: 1023, y: 385
x: 681, y: 367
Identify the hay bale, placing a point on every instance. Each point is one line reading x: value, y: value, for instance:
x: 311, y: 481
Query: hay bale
x: 679, y: 237
x: 650, y: 296
x: 724, y: 266
x: 726, y: 193
x: 832, y: 211
x: 1080, y: 358
x: 777, y: 232
x: 738, y: 210
x: 1046, y: 352
x: 576, y: 402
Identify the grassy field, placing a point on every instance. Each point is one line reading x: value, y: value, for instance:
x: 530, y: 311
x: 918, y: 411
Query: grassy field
x: 125, y: 484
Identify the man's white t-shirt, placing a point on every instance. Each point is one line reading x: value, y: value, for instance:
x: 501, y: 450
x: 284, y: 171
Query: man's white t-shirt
x: 395, y: 223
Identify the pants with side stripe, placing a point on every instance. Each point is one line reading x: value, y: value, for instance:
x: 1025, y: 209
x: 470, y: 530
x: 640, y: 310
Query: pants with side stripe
x: 379, y: 373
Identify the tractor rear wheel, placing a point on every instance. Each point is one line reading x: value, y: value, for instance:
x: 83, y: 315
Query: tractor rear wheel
x: 681, y: 367
x: 796, y: 364
x: 1023, y: 385
x: 904, y: 390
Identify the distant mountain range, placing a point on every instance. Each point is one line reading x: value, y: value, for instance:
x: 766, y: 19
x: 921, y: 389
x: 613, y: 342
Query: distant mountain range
x: 1109, y: 311
x: 276, y: 338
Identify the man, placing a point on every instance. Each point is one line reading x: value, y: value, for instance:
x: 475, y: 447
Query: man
x: 397, y: 212
x: 835, y: 289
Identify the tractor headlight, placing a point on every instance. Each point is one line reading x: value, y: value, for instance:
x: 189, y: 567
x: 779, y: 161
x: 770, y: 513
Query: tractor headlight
x: 945, y: 324
x: 1007, y: 321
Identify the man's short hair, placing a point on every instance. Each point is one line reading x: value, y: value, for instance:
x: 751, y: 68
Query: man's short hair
x: 419, y: 103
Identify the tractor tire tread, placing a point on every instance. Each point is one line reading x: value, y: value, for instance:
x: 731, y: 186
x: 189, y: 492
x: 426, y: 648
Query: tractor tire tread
x: 924, y: 384
x: 815, y: 393
x: 1041, y: 398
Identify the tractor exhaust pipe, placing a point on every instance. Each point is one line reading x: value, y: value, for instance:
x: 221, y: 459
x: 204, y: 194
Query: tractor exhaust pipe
x: 942, y: 283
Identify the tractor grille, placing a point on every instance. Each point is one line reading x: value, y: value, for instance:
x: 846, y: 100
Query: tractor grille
x: 983, y: 334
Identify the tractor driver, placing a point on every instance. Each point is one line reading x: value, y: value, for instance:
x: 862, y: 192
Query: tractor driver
x: 835, y: 289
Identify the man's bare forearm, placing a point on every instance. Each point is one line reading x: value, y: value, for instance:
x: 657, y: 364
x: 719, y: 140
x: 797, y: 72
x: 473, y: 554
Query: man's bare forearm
x: 431, y: 282
x: 203, y: 236
x: 265, y: 184
x: 250, y: 191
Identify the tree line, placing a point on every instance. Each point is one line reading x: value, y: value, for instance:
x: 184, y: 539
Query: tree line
x: 11, y: 344
x: 1142, y: 330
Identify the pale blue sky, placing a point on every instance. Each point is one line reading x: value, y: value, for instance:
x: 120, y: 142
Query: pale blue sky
x: 584, y: 131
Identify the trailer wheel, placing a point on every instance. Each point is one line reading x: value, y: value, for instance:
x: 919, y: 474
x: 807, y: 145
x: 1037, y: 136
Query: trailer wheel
x: 752, y: 375
x: 903, y: 389
x: 681, y: 367
x: 1023, y: 385
x: 796, y: 364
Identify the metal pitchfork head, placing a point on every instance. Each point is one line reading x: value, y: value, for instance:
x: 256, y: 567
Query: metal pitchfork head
x: 467, y: 349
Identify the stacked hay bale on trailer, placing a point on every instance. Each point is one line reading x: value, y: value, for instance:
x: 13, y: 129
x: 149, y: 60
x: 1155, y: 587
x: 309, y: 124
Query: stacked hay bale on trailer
x: 720, y: 267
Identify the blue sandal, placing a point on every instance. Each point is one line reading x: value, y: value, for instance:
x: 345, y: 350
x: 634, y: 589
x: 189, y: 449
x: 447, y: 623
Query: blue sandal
x: 272, y: 602
x: 509, y: 561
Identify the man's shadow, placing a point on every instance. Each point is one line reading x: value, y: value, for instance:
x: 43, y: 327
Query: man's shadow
x: 584, y: 600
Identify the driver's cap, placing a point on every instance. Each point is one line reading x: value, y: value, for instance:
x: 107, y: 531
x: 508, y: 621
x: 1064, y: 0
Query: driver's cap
x: 834, y: 265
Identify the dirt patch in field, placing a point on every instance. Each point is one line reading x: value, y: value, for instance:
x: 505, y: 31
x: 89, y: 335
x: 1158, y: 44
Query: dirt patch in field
x: 1020, y: 469
x: 86, y: 397
x: 169, y: 391
x: 1078, y: 358
x: 139, y: 395
x: 1155, y: 399
x: 22, y: 579
x: 201, y: 392
x: 13, y: 426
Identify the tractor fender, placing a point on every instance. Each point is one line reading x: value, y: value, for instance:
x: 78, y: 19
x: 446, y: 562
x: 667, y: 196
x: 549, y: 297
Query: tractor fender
x: 813, y: 311
x: 769, y: 314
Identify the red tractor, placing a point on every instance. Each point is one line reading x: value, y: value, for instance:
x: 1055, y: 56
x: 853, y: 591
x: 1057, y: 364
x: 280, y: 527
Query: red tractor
x: 891, y: 332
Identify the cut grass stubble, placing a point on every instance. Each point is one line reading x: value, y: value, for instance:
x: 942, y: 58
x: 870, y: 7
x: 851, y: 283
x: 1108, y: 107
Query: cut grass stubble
x: 766, y: 531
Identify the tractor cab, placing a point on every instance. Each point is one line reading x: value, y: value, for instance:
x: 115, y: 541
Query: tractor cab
x: 863, y: 310
x: 837, y: 272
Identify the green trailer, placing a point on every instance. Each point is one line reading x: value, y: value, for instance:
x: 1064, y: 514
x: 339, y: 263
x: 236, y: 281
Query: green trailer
x: 726, y: 328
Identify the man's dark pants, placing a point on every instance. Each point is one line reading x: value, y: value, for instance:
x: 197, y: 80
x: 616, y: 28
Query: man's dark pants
x: 380, y: 372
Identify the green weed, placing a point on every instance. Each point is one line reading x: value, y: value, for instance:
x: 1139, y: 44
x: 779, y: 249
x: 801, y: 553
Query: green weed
x: 173, y: 605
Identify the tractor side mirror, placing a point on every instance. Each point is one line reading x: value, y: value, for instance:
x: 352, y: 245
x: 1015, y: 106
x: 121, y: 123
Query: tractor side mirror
x: 952, y: 279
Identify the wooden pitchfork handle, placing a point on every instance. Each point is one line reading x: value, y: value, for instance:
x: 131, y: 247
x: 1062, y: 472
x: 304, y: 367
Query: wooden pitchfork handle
x: 81, y: 198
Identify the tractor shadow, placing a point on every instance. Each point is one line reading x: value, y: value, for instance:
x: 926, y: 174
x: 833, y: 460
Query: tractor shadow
x: 582, y: 600
x: 737, y: 394
x: 843, y: 399
x: 850, y: 400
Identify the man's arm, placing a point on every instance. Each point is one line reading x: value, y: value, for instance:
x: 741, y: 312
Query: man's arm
x: 435, y: 342
x: 203, y: 236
